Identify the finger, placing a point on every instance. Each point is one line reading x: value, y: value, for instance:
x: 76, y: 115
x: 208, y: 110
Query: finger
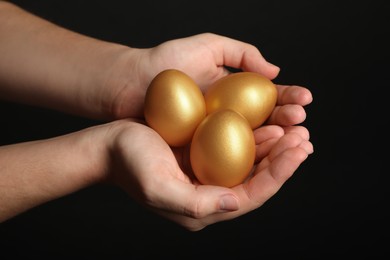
x: 241, y: 55
x: 188, y: 223
x: 287, y: 115
x: 266, y: 132
x: 265, y: 139
x: 193, y: 223
x: 270, y: 179
x: 304, y: 134
x: 301, y: 130
x: 272, y: 172
x: 289, y: 140
x: 264, y: 148
x: 263, y: 185
x: 195, y: 201
x: 293, y: 95
x: 308, y: 147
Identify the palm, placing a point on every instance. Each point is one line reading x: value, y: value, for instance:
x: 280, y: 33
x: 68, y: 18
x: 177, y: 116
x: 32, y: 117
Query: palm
x: 156, y: 160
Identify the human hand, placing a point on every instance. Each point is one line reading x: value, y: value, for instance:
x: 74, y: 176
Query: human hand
x: 161, y: 179
x: 205, y: 58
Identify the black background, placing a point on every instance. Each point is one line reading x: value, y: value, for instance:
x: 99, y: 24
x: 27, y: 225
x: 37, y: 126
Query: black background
x: 336, y: 204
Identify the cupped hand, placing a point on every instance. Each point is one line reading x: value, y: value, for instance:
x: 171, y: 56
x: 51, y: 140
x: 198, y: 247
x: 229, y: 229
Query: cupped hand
x: 160, y: 178
x: 204, y: 57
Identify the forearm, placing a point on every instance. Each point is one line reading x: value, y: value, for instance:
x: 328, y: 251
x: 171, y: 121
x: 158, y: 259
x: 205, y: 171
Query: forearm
x: 33, y: 173
x: 47, y: 65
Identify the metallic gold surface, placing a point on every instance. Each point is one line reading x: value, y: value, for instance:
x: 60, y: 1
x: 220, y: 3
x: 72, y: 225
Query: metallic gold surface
x: 174, y: 106
x: 223, y: 149
x: 249, y: 93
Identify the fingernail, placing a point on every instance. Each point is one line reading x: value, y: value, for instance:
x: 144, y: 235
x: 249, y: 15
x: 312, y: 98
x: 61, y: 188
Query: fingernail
x: 228, y: 203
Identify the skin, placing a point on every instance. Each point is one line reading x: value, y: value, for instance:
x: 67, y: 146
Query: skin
x: 46, y: 65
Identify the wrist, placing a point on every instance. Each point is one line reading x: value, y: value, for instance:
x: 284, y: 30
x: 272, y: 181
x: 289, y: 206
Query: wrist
x: 119, y: 145
x: 124, y: 86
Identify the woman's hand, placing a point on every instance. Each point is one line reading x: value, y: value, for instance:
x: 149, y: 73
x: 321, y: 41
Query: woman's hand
x: 161, y: 179
x: 204, y: 57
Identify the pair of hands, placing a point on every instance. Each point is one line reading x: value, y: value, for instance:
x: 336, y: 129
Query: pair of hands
x: 160, y: 177
x: 63, y: 70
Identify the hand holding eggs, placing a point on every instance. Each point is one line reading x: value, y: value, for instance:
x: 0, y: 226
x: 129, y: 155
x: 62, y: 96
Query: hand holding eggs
x: 218, y: 125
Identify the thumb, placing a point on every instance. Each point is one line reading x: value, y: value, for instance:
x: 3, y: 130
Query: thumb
x: 196, y: 201
x: 247, y: 57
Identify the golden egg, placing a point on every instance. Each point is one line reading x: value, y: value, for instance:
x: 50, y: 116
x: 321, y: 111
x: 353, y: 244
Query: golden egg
x: 223, y: 149
x: 174, y: 106
x: 249, y: 93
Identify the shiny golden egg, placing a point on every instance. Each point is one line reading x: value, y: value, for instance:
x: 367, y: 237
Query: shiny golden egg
x: 174, y: 106
x: 223, y: 149
x: 249, y: 93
